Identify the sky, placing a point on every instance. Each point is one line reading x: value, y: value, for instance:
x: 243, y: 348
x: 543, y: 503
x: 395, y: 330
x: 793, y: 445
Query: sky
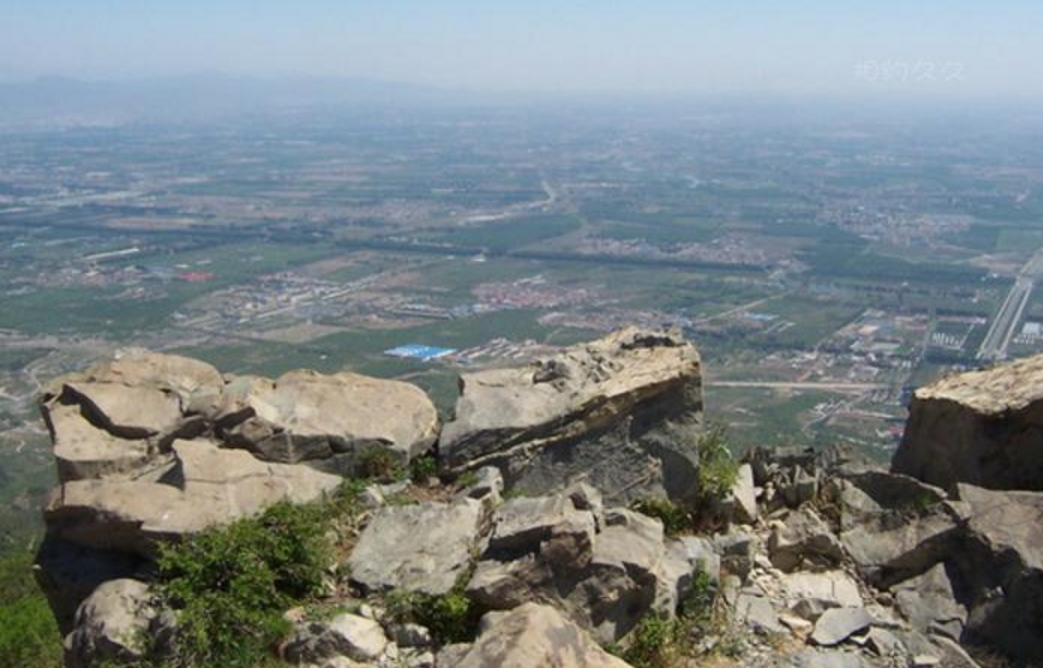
x: 840, y: 47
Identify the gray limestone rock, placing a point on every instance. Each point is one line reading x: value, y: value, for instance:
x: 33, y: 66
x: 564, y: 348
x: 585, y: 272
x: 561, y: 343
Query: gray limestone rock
x: 423, y: 547
x: 111, y: 625
x: 346, y: 635
x: 532, y: 636
x: 983, y: 427
x: 838, y: 624
x: 620, y: 412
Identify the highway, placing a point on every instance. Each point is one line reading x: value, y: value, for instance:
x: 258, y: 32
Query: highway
x: 1005, y: 323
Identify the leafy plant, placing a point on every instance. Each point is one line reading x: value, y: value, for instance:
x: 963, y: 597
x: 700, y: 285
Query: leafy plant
x: 423, y: 468
x: 379, y: 463
x: 675, y: 518
x: 229, y: 585
x: 651, y: 642
x: 718, y: 470
x: 451, y: 617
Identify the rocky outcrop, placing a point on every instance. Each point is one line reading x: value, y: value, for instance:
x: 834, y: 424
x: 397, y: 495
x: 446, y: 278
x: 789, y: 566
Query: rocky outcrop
x: 829, y: 560
x: 198, y: 486
x: 984, y: 428
x: 153, y: 447
x: 123, y: 416
x: 619, y: 412
x: 607, y: 575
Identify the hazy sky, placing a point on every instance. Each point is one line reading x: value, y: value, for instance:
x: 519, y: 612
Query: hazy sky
x: 834, y: 46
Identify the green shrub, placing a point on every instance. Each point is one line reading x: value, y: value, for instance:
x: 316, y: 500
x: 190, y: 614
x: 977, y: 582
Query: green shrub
x: 423, y: 468
x: 230, y: 585
x: 718, y: 470
x: 675, y: 518
x: 451, y: 617
x: 657, y: 642
x: 379, y: 463
x: 651, y: 643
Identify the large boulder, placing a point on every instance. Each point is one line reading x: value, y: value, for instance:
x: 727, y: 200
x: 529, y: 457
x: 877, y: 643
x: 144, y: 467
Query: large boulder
x: 424, y: 547
x: 984, y: 428
x: 534, y: 636
x: 201, y: 486
x: 620, y: 412
x: 304, y: 415
x: 898, y: 526
x: 112, y: 625
x: 1000, y: 567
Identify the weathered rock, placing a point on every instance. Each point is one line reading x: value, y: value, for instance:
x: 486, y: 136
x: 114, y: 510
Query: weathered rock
x: 488, y: 486
x: 111, y: 625
x: 803, y: 539
x: 624, y: 579
x: 984, y: 428
x: 411, y: 635
x: 1000, y: 564
x: 758, y: 613
x: 885, y: 644
x: 204, y: 486
x: 915, y: 528
x: 606, y: 578
x: 347, y: 635
x: 743, y: 498
x: 423, y: 547
x: 929, y: 603
x: 82, y: 450
x: 816, y: 658
x: 736, y: 550
x: 304, y: 415
x: 700, y: 554
x: 838, y: 624
x: 831, y: 589
x: 522, y: 524
x: 619, y: 411
x: 533, y: 636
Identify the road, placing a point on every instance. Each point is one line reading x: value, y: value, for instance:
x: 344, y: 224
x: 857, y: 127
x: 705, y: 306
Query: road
x: 1005, y: 323
x: 807, y: 385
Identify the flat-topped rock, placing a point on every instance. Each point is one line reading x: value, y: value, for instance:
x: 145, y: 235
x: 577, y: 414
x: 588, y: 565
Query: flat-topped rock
x: 308, y: 415
x: 203, y: 486
x: 598, y: 409
x: 996, y: 391
x: 983, y: 427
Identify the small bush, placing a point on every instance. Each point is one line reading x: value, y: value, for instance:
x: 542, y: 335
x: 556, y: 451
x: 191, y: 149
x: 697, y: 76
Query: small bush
x: 658, y: 642
x: 379, y: 463
x: 230, y: 585
x: 676, y: 519
x: 718, y: 470
x: 450, y: 617
x: 423, y: 468
x: 651, y: 643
